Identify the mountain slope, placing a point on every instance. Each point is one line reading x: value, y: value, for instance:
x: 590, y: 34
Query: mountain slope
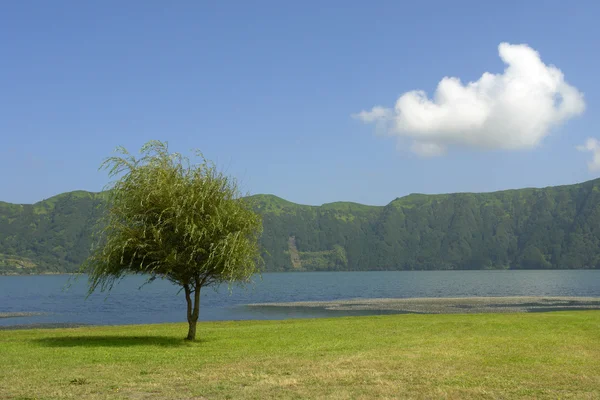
x: 53, y: 235
x: 555, y: 227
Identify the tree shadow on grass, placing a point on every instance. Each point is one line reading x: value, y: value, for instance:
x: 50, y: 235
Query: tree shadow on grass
x: 113, y: 341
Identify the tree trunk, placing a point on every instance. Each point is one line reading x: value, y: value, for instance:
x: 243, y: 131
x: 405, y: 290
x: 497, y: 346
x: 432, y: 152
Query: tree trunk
x: 191, y: 330
x: 193, y: 309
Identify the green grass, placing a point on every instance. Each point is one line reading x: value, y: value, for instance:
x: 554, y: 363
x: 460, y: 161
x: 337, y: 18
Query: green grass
x: 485, y: 356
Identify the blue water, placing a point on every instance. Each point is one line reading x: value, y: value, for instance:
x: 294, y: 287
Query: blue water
x: 160, y: 301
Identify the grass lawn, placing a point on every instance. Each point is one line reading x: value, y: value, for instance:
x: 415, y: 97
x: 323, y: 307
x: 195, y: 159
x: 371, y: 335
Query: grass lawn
x: 497, y: 356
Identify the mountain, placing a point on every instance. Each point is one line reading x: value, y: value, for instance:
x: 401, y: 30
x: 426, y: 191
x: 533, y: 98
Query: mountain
x: 555, y: 227
x: 53, y: 235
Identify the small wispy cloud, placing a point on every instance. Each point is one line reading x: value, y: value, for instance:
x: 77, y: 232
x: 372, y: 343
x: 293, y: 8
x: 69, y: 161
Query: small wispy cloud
x: 592, y: 145
x: 513, y: 110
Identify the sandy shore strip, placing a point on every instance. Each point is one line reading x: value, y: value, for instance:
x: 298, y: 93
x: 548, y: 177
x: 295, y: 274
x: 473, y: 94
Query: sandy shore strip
x: 19, y: 314
x: 459, y: 305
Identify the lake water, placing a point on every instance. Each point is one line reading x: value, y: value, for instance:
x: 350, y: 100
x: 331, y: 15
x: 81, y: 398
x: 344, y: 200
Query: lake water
x: 160, y: 301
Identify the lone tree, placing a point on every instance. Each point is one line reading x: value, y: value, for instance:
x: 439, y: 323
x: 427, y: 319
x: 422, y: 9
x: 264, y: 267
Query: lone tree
x: 169, y: 218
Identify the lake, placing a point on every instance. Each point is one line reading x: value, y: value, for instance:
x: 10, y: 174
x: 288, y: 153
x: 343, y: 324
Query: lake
x: 160, y: 301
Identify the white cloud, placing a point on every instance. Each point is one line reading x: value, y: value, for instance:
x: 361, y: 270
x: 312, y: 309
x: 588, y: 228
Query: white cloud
x: 376, y: 114
x: 512, y: 110
x: 593, y: 146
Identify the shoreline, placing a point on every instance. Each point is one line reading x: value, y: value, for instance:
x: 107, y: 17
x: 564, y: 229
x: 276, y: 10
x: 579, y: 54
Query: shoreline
x: 19, y: 314
x: 348, y: 271
x: 450, y: 305
x: 44, y: 325
x: 378, y: 306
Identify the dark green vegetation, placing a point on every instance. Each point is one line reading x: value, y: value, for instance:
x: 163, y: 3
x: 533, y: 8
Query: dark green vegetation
x: 168, y: 218
x: 556, y: 227
x: 54, y: 235
x: 484, y: 356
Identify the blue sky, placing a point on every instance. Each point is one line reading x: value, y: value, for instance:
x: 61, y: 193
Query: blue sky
x: 268, y: 90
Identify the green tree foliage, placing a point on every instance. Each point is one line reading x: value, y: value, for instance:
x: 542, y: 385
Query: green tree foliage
x: 555, y: 227
x: 176, y: 220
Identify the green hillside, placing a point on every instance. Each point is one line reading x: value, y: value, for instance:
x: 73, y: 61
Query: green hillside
x: 556, y: 227
x: 53, y: 235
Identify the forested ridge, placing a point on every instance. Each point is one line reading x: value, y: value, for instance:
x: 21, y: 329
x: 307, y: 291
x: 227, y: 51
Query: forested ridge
x: 555, y: 227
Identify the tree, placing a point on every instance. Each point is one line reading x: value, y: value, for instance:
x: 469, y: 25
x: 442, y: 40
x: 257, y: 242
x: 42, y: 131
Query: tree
x: 169, y: 218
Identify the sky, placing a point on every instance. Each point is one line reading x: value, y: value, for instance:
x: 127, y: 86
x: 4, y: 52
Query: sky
x: 311, y: 101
